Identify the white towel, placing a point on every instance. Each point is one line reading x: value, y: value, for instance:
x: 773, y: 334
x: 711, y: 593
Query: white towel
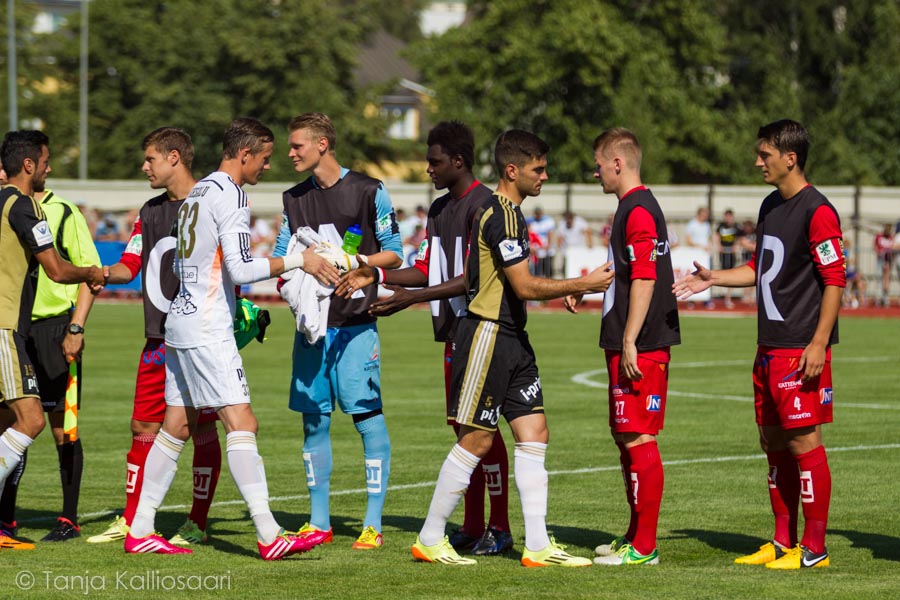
x: 309, y: 300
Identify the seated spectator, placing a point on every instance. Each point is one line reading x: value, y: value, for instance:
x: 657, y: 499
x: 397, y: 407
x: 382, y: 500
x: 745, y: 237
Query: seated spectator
x: 108, y: 229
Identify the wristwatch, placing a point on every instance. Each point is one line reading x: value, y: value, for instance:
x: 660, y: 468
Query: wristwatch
x: 75, y: 329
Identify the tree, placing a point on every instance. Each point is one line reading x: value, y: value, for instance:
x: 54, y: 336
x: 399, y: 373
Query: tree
x: 568, y: 69
x: 197, y: 65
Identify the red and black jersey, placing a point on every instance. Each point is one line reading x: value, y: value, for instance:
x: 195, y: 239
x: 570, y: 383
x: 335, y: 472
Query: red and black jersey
x: 330, y: 212
x: 443, y: 253
x: 151, y: 250
x: 639, y: 249
x: 799, y: 251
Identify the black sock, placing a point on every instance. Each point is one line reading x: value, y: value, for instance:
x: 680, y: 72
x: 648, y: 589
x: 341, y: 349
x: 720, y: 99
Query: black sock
x: 11, y: 492
x: 71, y: 465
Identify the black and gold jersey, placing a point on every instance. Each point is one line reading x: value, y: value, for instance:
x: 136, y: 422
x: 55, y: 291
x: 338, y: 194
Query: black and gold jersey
x: 23, y: 233
x: 499, y: 239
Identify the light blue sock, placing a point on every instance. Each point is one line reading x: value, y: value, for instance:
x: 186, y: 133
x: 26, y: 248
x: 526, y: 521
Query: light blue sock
x: 377, y: 452
x: 317, y: 460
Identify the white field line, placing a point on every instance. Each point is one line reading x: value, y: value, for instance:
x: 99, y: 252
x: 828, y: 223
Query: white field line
x: 586, y: 379
x: 425, y: 484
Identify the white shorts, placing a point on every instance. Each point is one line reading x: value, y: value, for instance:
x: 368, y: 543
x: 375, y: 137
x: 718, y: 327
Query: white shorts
x: 205, y: 377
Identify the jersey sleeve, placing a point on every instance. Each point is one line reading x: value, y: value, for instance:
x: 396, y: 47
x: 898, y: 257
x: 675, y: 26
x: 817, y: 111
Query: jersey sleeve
x: 423, y: 258
x: 827, y: 246
x: 232, y: 217
x: 506, y: 234
x: 131, y: 256
x: 387, y: 232
x: 640, y: 243
x: 284, y: 237
x: 78, y: 241
x: 27, y: 219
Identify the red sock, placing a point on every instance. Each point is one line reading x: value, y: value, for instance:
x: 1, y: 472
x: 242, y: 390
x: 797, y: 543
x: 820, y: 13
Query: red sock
x: 473, y: 512
x: 647, y: 478
x: 625, y: 460
x: 815, y: 496
x: 784, y: 494
x: 134, y: 478
x: 496, y: 475
x: 207, y: 465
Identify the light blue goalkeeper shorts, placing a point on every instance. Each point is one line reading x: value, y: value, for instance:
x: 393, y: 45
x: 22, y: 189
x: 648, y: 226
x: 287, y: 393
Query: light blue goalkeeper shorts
x: 343, y: 368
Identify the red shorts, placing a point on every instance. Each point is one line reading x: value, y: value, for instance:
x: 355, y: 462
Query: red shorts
x: 637, y: 406
x: 150, y: 389
x: 781, y: 396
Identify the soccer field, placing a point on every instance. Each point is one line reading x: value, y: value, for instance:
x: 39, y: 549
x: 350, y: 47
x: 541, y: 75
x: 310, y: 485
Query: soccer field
x: 715, y: 505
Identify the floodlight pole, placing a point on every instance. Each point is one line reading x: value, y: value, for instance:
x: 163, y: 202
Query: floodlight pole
x: 11, y: 64
x: 83, y: 95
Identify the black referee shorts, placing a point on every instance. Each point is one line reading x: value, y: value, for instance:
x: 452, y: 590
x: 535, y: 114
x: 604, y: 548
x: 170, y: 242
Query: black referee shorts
x: 44, y: 346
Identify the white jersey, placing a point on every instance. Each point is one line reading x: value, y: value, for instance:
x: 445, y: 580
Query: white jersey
x: 213, y: 244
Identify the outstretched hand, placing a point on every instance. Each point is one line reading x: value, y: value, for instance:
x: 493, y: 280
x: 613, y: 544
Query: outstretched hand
x: 354, y: 280
x: 694, y: 283
x: 401, y: 299
x: 600, y: 278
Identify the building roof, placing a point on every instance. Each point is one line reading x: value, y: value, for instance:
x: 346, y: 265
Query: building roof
x: 379, y: 61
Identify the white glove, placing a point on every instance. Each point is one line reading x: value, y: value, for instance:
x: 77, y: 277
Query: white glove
x: 335, y: 255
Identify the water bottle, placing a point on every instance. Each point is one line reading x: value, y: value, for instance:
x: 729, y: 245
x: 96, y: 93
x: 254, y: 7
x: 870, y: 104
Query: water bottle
x: 352, y: 238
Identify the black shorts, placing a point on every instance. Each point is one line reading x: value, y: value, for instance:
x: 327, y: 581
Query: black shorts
x: 44, y: 346
x: 726, y: 260
x: 17, y: 376
x: 494, y: 374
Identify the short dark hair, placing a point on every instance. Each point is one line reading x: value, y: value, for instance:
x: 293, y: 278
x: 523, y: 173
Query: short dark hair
x: 456, y: 139
x: 19, y: 145
x: 786, y: 136
x: 245, y: 132
x: 623, y: 141
x: 166, y: 139
x: 518, y: 147
x: 319, y: 125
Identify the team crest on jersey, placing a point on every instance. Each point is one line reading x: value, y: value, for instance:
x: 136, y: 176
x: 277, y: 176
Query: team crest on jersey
x: 510, y: 249
x: 825, y: 396
x: 654, y: 403
x: 134, y: 245
x: 828, y: 252
x: 42, y: 234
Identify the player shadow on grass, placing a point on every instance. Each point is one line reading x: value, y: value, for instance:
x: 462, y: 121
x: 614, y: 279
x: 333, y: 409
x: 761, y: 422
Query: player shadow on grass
x: 573, y: 536
x: 883, y: 547
x: 736, y: 543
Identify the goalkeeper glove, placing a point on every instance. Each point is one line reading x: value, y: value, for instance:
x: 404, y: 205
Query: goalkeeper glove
x: 250, y: 321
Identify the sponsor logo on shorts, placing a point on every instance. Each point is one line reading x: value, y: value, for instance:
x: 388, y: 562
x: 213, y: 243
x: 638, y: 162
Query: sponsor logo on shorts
x: 156, y: 356
x: 784, y: 384
x: 825, y: 396
x: 618, y: 390
x: 530, y: 394
x: 654, y: 403
x: 798, y: 416
x: 491, y: 416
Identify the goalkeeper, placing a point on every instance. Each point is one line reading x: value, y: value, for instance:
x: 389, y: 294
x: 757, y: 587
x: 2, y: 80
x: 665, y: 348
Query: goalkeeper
x: 343, y: 368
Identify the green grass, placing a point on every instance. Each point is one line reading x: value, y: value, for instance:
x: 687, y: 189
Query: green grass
x: 712, y: 510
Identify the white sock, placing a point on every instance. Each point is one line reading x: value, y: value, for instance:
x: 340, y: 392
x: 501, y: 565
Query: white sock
x: 159, y: 471
x: 531, y: 480
x: 12, y: 446
x: 249, y: 475
x: 452, y: 483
